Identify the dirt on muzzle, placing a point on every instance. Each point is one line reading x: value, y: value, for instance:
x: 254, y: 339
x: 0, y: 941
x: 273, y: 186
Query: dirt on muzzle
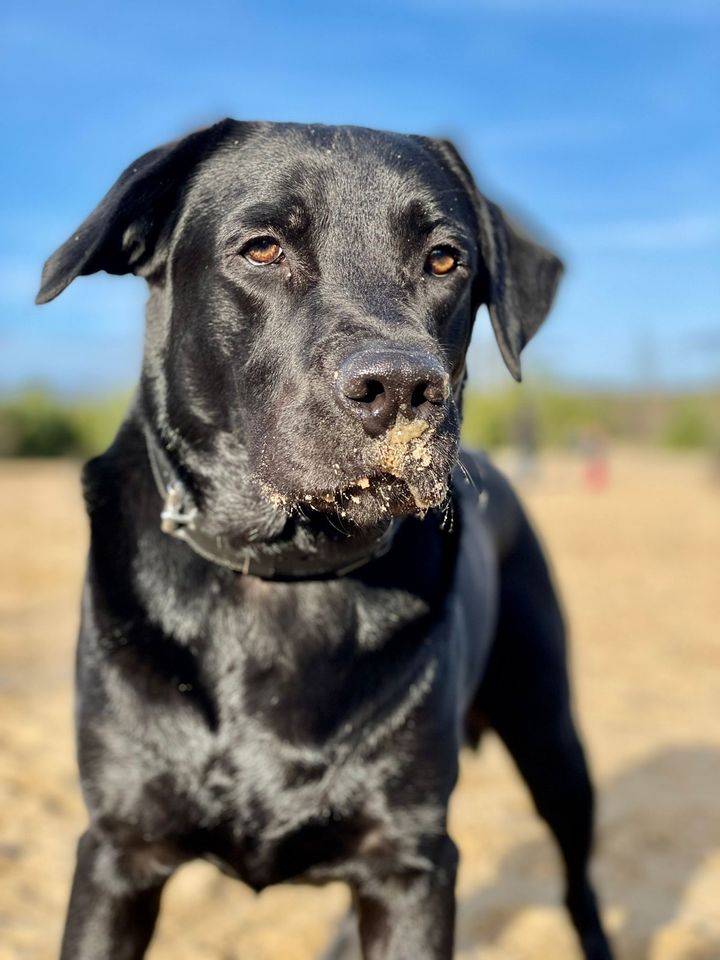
x: 406, y: 453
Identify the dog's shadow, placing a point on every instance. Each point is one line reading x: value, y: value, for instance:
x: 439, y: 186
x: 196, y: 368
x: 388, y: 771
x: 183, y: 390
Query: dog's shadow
x: 658, y: 822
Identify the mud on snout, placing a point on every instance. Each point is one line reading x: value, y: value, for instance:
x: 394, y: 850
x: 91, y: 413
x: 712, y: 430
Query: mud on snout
x: 405, y: 471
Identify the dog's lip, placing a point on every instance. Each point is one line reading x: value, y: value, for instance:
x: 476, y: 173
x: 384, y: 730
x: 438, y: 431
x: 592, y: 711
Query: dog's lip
x: 368, y: 483
x: 375, y: 484
x: 390, y: 494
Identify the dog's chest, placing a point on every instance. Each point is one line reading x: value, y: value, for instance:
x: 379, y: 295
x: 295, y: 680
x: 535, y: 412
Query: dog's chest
x: 281, y: 757
x: 267, y: 814
x: 268, y: 836
x: 316, y: 802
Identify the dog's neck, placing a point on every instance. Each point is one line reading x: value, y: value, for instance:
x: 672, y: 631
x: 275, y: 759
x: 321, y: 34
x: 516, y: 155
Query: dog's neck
x: 319, y: 557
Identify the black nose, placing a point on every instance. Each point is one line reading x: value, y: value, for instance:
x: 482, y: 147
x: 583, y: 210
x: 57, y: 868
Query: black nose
x: 377, y: 385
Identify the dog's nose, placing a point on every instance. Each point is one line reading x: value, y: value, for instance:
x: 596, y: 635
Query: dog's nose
x: 377, y: 385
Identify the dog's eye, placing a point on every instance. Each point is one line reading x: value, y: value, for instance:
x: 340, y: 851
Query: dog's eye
x: 441, y: 260
x: 262, y: 251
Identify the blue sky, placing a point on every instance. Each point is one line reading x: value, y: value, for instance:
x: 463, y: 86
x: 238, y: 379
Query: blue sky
x: 596, y: 119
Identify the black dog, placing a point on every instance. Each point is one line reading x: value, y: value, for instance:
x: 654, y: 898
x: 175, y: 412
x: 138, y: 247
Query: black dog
x: 283, y: 685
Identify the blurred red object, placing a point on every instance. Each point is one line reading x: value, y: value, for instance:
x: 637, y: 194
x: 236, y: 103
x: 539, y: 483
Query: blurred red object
x: 597, y: 474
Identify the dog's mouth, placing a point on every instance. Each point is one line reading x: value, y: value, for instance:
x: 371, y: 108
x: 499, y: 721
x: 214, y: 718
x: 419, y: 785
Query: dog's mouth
x: 407, y: 472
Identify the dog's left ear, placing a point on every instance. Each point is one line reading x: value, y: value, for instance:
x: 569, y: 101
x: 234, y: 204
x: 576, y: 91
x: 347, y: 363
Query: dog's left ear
x: 521, y: 274
x: 124, y: 232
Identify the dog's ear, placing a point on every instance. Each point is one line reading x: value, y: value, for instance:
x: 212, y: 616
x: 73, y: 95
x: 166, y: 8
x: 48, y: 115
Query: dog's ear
x: 124, y: 232
x: 521, y: 275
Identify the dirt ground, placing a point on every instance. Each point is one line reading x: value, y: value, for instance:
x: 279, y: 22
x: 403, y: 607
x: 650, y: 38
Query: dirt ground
x: 639, y: 567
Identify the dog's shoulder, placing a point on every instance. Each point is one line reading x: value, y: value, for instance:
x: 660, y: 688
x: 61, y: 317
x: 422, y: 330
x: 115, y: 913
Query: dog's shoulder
x: 485, y: 490
x: 121, y: 504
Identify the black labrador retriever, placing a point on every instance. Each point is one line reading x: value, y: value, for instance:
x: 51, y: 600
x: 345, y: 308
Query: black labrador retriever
x: 301, y: 599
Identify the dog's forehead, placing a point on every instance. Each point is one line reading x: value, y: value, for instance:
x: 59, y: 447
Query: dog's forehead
x: 326, y: 166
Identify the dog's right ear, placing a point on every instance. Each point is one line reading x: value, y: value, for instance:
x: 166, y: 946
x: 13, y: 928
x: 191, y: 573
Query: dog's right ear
x: 521, y: 275
x: 123, y: 233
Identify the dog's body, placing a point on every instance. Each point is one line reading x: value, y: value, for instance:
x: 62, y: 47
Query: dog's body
x: 284, y: 687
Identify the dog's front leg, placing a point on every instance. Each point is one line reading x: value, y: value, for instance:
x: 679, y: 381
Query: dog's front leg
x: 114, y: 901
x: 410, y: 916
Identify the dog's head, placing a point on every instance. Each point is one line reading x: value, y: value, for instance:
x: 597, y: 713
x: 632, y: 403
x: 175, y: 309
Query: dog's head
x: 313, y: 291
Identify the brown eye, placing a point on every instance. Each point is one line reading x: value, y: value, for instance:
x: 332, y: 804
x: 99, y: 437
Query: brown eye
x: 263, y: 251
x: 441, y: 260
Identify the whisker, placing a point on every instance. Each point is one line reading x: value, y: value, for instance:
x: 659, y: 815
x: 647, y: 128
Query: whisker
x: 468, y: 476
x: 448, y: 518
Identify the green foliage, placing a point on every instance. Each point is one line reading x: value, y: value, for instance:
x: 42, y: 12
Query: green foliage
x: 488, y: 418
x: 34, y: 426
x: 688, y: 428
x: 560, y: 418
x: 37, y: 424
x: 543, y: 417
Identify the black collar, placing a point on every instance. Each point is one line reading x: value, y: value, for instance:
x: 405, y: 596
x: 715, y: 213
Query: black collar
x: 181, y: 518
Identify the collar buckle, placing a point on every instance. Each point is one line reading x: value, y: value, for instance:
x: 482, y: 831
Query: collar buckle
x: 175, y: 515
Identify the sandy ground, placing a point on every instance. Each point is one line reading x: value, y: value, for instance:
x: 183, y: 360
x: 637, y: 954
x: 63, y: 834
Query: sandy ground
x: 639, y: 566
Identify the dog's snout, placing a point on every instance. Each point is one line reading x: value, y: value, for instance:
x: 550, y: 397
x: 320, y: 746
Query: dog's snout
x: 378, y: 385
